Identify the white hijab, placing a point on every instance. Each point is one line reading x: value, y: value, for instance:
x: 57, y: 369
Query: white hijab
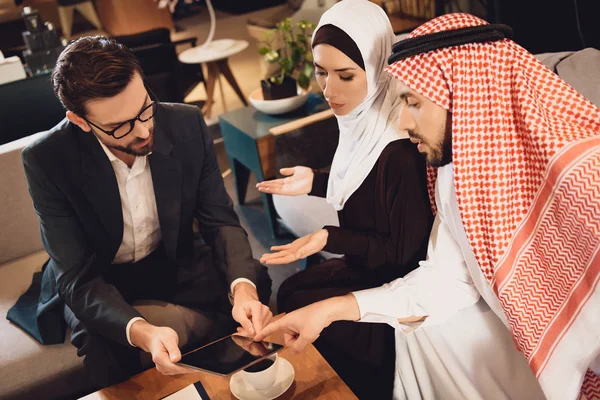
x: 370, y: 127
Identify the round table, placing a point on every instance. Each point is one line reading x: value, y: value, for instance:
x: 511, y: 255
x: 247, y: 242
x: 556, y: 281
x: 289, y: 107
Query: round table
x: 215, y: 55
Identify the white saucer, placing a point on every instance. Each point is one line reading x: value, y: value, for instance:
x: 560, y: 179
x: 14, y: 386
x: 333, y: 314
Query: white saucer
x: 283, y: 381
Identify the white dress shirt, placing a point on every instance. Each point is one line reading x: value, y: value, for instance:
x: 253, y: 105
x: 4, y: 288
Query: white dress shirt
x: 141, y: 227
x: 463, y: 349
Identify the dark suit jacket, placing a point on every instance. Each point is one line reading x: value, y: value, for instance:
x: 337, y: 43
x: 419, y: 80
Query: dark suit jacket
x: 76, y: 196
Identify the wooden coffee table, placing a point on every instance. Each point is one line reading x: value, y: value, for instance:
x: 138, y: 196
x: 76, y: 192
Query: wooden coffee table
x: 314, y: 379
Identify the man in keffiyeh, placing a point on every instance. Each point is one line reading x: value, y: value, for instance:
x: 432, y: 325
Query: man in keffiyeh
x: 514, y: 155
x: 525, y: 149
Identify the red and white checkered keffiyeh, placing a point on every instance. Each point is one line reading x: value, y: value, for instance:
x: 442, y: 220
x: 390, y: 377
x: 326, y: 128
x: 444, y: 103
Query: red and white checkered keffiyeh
x: 526, y: 154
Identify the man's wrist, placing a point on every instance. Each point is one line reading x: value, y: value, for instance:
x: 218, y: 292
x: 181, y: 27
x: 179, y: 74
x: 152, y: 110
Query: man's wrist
x: 245, y: 289
x: 238, y: 281
x: 141, y: 334
x: 128, y: 329
x: 342, y: 308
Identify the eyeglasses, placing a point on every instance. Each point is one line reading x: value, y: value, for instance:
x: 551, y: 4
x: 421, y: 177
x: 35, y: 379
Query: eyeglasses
x: 126, y: 127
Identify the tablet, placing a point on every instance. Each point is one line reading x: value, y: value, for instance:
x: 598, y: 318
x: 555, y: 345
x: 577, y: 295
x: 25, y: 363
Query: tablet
x: 228, y: 355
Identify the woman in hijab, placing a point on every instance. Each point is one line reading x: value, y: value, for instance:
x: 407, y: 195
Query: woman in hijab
x: 377, y: 183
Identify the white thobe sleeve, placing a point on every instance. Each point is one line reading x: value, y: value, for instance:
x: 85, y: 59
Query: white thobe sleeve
x: 433, y: 290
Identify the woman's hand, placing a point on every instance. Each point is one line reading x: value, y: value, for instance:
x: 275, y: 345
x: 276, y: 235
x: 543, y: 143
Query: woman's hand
x: 299, y: 181
x: 300, y: 248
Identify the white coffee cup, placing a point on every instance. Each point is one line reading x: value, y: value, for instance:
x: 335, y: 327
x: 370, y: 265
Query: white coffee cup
x: 262, y: 380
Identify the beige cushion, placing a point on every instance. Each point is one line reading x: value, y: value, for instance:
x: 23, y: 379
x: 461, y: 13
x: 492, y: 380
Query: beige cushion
x: 580, y: 70
x: 27, y: 368
x: 20, y: 233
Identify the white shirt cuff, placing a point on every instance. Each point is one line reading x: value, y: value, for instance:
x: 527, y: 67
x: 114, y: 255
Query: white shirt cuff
x: 383, y: 304
x: 240, y: 280
x: 371, y: 306
x: 131, y: 321
x: 425, y: 292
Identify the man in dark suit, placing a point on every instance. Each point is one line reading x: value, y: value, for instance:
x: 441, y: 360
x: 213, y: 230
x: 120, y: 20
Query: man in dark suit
x: 118, y: 187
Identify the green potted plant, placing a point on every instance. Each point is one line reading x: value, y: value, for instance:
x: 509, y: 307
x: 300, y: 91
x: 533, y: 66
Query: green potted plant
x: 288, y: 46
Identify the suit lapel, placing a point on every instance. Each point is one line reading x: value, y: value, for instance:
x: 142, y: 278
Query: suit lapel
x: 167, y: 179
x: 102, y: 190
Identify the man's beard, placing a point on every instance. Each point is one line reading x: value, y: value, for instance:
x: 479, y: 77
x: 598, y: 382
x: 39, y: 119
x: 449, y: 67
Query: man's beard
x: 129, y: 149
x: 440, y: 154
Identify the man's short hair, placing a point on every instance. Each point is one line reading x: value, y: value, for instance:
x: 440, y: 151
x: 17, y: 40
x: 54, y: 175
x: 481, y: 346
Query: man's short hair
x: 92, y: 67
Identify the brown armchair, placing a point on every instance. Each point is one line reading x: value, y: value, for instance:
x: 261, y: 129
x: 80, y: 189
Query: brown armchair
x: 11, y: 26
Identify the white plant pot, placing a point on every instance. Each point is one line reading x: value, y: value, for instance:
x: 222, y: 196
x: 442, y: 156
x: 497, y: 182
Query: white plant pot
x: 280, y: 106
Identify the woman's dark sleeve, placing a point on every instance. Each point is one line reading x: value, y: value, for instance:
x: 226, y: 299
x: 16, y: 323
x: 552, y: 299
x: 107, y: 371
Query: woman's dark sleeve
x: 402, y: 187
x: 319, y: 187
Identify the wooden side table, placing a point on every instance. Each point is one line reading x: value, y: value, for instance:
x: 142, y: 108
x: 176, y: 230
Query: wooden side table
x: 249, y: 141
x: 216, y: 55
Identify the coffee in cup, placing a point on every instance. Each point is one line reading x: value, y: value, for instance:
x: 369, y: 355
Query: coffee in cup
x: 261, y: 376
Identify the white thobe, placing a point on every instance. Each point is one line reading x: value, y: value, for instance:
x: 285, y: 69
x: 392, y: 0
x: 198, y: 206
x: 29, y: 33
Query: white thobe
x: 463, y: 349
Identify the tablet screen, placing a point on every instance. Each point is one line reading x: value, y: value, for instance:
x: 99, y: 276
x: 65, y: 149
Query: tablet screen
x: 229, y: 355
